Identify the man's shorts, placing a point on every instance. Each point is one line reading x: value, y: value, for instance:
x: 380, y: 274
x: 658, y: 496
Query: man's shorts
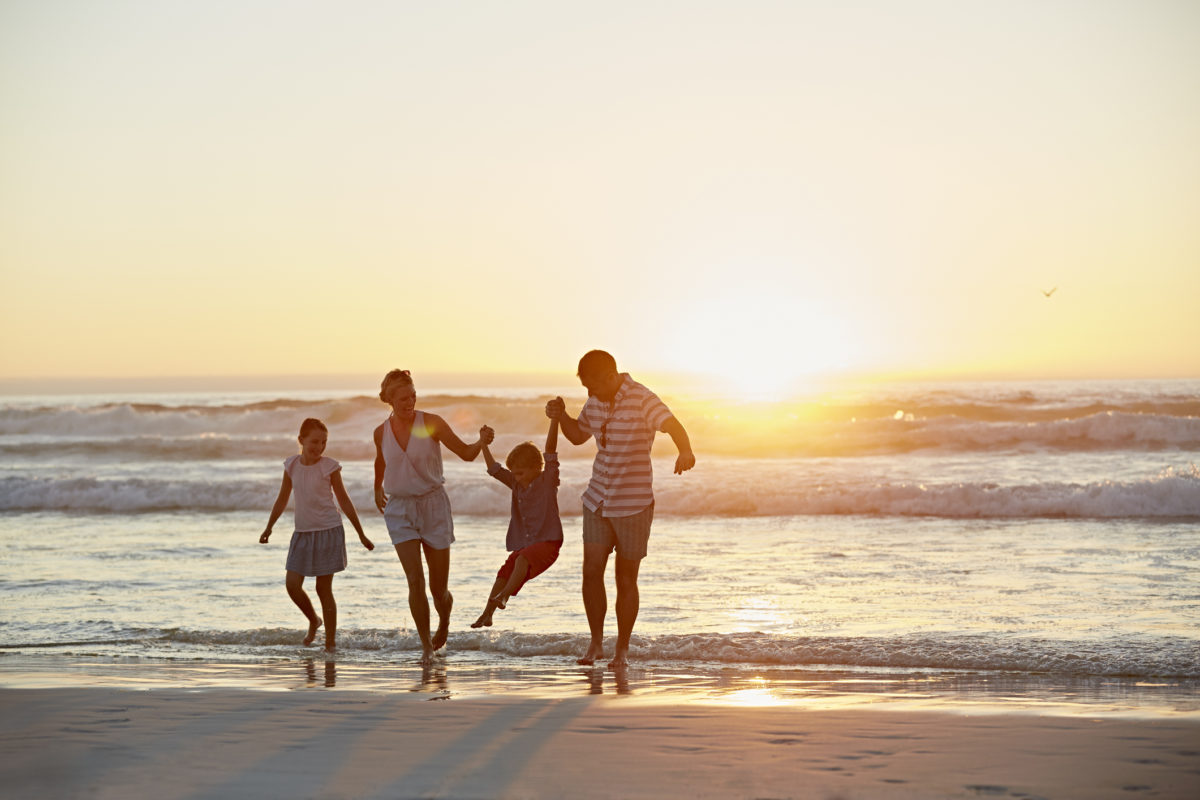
x: 426, y: 518
x: 540, y: 556
x: 627, y: 535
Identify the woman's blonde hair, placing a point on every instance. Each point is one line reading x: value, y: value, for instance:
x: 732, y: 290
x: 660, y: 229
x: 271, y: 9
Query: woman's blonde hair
x: 401, y: 375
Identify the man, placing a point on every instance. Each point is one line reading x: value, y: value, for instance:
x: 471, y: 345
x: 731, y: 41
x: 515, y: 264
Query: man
x: 618, y: 505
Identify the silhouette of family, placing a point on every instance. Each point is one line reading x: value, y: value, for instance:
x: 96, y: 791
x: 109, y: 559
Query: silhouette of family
x: 622, y: 416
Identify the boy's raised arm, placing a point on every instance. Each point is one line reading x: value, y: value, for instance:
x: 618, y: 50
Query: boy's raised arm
x: 552, y: 437
x: 556, y: 409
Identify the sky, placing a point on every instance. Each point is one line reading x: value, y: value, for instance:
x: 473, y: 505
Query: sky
x: 768, y: 191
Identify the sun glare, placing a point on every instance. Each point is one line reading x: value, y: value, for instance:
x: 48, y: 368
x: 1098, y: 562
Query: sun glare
x: 759, y: 346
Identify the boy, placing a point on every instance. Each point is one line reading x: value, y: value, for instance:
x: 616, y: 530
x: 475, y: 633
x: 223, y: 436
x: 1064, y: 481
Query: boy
x: 535, y: 533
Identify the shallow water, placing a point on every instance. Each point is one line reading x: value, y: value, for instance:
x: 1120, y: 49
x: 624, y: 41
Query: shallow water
x: 129, y: 527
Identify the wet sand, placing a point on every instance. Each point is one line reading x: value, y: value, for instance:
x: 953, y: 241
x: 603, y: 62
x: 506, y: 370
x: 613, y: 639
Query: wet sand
x: 169, y: 743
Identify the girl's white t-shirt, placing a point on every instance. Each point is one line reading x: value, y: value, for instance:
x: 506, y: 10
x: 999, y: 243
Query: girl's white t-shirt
x: 315, y: 507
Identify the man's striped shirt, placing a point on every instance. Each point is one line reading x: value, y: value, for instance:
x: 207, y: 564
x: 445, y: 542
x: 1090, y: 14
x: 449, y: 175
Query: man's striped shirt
x: 624, y: 431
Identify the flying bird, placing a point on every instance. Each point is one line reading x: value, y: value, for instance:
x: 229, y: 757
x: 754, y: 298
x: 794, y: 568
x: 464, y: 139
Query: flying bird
x: 1052, y: 291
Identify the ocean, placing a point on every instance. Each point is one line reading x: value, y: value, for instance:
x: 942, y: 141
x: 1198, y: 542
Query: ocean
x: 1020, y: 543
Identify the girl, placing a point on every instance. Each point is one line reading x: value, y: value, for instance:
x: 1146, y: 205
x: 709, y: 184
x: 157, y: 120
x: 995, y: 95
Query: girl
x: 319, y: 543
x: 409, y: 494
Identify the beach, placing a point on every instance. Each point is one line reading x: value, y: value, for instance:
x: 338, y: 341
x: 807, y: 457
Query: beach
x: 106, y: 742
x: 913, y: 591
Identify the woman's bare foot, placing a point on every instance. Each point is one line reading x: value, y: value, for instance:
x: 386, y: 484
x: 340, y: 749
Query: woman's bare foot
x: 484, y: 621
x: 443, y: 629
x: 594, y: 652
x: 313, y: 625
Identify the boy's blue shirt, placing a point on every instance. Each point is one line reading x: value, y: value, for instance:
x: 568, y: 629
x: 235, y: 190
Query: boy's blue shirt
x: 534, y: 515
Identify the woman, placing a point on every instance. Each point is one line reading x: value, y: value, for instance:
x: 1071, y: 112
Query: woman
x: 409, y: 494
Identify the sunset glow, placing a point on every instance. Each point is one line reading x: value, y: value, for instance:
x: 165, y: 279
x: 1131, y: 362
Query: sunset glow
x: 764, y: 193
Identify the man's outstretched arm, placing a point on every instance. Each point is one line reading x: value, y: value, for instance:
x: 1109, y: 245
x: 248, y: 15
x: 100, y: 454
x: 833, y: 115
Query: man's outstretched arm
x: 683, y: 444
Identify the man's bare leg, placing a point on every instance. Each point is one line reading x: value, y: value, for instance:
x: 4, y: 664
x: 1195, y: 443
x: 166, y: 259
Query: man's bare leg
x: 418, y: 604
x: 595, y: 599
x: 443, y: 601
x: 628, y: 602
x: 295, y: 589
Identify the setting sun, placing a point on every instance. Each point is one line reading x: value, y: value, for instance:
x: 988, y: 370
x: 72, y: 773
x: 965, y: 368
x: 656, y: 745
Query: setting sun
x: 758, y: 345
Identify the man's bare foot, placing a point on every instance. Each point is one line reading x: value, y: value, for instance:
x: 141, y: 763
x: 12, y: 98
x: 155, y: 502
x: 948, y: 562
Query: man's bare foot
x: 313, y: 624
x: 594, y: 652
x: 619, y: 662
x: 484, y: 621
x: 443, y: 629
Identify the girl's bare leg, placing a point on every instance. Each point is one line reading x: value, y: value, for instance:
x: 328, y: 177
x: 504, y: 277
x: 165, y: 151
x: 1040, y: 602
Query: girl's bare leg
x: 418, y: 604
x: 443, y: 601
x: 485, y: 619
x: 329, y: 609
x: 295, y: 590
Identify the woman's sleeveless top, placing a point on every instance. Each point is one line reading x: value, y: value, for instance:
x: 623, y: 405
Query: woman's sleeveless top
x: 417, y: 470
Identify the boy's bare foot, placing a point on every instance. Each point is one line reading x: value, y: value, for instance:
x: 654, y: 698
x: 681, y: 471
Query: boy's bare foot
x: 484, y: 621
x: 313, y: 624
x: 443, y: 629
x: 594, y: 652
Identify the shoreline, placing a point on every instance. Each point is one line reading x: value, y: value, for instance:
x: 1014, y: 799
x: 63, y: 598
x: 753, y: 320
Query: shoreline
x: 168, y: 743
x: 471, y: 676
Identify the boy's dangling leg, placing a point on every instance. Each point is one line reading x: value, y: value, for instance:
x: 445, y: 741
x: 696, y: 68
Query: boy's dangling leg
x: 485, y: 619
x: 515, y: 581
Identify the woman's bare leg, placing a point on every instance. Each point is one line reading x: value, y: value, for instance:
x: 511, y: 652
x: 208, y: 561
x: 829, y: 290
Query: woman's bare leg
x: 443, y: 601
x: 418, y: 604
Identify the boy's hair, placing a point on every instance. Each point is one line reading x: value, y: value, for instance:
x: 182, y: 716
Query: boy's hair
x: 401, y: 375
x: 596, y: 361
x: 309, y: 425
x: 525, y: 454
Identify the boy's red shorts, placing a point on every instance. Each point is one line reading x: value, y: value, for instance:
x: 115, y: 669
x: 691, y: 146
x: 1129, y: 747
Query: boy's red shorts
x: 540, y: 556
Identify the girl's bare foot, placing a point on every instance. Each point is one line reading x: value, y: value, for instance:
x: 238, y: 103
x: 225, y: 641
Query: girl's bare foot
x: 313, y: 624
x: 594, y: 652
x: 484, y: 621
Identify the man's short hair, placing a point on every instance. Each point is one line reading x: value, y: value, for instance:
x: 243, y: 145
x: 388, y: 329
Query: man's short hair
x: 596, y: 361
